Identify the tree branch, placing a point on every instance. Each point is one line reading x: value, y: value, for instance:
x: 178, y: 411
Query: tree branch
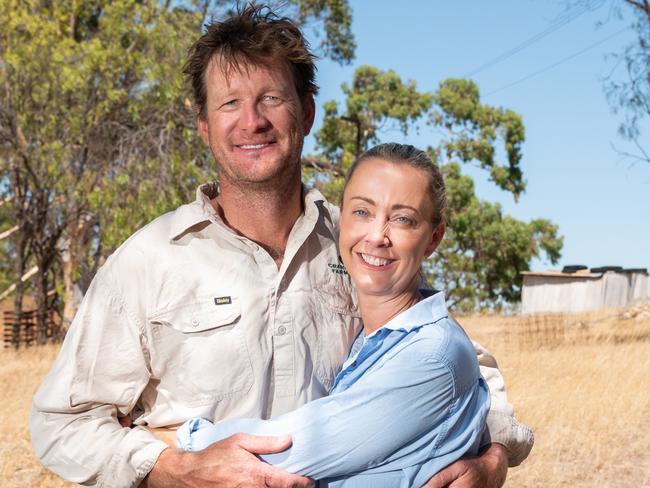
x: 319, y: 165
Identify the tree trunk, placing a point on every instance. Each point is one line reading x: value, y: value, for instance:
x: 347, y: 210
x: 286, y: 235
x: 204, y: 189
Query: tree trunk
x: 21, y: 265
x: 71, y: 291
x: 42, y: 309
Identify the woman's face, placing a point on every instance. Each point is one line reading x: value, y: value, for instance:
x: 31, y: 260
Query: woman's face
x: 386, y: 229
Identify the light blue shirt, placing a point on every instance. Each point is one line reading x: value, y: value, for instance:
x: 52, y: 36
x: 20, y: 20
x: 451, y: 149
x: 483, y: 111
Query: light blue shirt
x: 409, y: 401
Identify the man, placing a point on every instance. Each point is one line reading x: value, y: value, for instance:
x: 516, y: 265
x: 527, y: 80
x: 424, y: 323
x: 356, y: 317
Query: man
x: 233, y: 306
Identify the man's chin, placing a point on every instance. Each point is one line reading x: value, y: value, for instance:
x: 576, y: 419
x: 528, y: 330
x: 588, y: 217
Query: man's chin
x: 264, y: 183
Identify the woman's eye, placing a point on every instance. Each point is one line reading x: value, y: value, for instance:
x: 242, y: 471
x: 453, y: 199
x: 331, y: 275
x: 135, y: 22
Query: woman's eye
x: 404, y: 220
x: 360, y: 212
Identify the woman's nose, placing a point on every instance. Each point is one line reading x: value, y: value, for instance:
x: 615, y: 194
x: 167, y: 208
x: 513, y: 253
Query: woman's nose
x: 378, y: 234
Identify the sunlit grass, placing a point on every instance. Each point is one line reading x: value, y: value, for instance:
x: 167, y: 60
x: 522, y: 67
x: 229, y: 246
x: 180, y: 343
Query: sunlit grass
x: 582, y: 383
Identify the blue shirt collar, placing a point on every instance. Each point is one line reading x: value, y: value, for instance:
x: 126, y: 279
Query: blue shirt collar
x: 427, y: 311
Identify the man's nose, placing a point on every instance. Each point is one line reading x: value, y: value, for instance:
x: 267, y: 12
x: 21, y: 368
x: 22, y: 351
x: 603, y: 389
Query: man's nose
x: 252, y: 118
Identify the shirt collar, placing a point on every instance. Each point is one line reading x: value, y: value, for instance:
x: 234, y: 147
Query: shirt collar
x: 201, y: 209
x: 427, y: 311
x: 197, y: 212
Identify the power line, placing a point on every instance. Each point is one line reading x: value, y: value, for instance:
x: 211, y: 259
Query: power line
x: 557, y: 63
x: 589, y: 6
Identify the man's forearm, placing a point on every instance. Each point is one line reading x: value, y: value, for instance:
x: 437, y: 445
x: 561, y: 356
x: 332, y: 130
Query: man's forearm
x: 168, y: 470
x: 502, y: 426
x: 117, y: 456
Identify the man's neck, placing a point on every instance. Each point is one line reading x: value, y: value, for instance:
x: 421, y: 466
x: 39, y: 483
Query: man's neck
x: 265, y: 217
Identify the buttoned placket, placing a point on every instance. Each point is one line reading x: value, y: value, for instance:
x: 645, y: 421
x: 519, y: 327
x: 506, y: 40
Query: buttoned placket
x: 369, y: 345
x: 284, y: 357
x: 281, y: 310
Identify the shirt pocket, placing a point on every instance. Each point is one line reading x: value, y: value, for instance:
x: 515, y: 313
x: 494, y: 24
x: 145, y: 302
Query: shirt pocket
x: 201, y: 353
x: 338, y: 324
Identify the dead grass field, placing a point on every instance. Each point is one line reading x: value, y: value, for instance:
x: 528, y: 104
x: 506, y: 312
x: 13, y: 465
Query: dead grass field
x: 582, y: 383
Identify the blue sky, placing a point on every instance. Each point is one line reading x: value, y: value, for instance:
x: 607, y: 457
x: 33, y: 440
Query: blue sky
x: 574, y: 176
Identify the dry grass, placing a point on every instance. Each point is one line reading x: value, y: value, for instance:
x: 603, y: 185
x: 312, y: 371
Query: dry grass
x: 582, y: 383
x: 20, y: 374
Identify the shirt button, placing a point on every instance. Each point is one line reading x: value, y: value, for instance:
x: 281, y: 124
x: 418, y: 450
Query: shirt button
x: 282, y: 330
x: 195, y: 322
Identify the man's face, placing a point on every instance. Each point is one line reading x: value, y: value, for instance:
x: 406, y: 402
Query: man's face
x: 255, y: 124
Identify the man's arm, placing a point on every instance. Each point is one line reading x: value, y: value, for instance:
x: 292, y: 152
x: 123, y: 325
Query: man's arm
x: 98, y: 376
x: 398, y: 417
x: 231, y: 462
x: 502, y: 426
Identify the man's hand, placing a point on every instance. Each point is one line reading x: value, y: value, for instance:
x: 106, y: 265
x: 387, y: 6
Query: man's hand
x: 488, y: 470
x: 228, y: 463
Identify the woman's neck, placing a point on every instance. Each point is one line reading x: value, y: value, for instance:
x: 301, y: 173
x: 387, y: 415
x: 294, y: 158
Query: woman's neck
x: 377, y: 311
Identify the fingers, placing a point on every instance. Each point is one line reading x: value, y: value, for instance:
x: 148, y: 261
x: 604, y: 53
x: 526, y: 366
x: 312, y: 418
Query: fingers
x: 125, y: 421
x: 277, y: 478
x: 440, y: 480
x: 445, y: 477
x: 262, y: 444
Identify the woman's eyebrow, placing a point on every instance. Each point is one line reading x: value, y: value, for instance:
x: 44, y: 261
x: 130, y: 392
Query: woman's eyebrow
x: 400, y: 206
x: 397, y: 206
x: 364, y: 199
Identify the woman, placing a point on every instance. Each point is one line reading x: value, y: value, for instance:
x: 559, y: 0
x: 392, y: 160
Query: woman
x: 410, y: 399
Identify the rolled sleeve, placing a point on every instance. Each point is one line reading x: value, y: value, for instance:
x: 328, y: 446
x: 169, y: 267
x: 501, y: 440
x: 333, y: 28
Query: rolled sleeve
x: 98, y: 375
x: 502, y: 426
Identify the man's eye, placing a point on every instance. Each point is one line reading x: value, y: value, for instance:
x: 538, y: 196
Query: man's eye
x: 271, y: 99
x: 230, y: 103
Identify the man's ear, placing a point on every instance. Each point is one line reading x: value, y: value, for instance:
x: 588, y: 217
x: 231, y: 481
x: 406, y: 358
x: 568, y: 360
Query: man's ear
x: 436, y: 236
x: 308, y: 113
x: 202, y: 126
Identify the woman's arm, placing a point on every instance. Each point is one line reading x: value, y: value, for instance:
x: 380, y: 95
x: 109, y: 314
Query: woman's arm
x: 406, y: 404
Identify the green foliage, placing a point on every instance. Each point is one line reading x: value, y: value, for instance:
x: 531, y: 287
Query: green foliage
x: 480, y: 260
x: 484, y: 251
x: 631, y: 96
x: 336, y: 18
x: 97, y: 138
x: 92, y: 91
x: 375, y: 99
x: 97, y: 134
x: 474, y: 129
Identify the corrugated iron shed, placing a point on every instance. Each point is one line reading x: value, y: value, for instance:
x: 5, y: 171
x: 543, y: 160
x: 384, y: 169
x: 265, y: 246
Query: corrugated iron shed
x: 582, y: 290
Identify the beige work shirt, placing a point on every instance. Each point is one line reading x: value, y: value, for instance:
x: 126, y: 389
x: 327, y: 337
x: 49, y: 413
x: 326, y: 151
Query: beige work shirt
x: 188, y: 319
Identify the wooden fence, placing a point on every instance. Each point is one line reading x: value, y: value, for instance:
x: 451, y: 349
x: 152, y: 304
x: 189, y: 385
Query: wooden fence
x: 23, y: 333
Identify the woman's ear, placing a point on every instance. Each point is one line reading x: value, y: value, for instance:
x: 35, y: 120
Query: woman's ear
x: 436, y: 236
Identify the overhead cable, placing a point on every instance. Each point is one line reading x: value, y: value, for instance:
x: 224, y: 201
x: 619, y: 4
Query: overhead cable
x: 569, y: 17
x: 557, y: 63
